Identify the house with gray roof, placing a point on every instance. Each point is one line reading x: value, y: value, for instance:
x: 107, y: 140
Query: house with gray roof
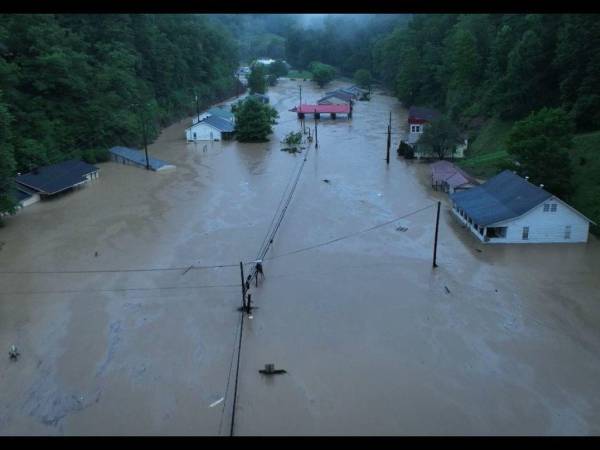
x: 54, y: 179
x: 211, y: 128
x: 134, y: 157
x: 508, y: 209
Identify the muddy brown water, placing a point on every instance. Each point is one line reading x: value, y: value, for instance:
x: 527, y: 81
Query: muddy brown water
x: 503, y: 340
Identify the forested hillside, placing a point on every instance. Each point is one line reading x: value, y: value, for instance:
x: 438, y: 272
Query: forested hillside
x: 497, y: 64
x: 74, y: 84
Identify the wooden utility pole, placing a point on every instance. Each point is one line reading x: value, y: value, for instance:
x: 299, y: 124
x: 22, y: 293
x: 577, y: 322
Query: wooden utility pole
x: 316, y: 135
x: 198, y: 107
x: 300, y: 94
x: 243, y: 285
x: 389, y: 140
x: 144, y: 133
x: 437, y: 226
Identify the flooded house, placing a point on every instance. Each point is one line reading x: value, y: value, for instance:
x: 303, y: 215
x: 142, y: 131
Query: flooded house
x: 508, y: 209
x: 336, y: 98
x: 134, y: 157
x: 450, y: 178
x: 210, y: 128
x: 418, y: 120
x: 48, y: 181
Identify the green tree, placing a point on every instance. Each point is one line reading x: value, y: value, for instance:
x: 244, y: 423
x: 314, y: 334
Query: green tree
x: 440, y: 137
x: 257, y: 82
x: 278, y: 68
x: 539, y: 145
x: 7, y: 163
x: 363, y: 78
x: 322, y: 73
x: 253, y: 120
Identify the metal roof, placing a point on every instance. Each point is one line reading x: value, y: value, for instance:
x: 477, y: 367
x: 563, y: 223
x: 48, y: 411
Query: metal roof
x: 341, y: 94
x: 222, y: 113
x: 219, y: 123
x: 445, y: 171
x: 56, y: 177
x: 502, y: 197
x: 339, y: 109
x: 139, y: 157
x: 421, y: 113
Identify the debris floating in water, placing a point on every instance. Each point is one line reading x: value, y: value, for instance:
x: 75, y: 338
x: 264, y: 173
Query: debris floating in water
x: 401, y: 229
x: 213, y: 404
x: 447, y: 290
x: 325, y: 180
x: 13, y: 353
x: 270, y: 370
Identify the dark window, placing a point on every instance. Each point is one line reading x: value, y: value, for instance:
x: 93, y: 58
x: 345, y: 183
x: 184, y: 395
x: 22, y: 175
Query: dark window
x: 525, y: 233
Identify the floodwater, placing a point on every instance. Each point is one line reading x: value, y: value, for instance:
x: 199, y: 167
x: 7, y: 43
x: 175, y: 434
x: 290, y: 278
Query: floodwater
x: 496, y: 340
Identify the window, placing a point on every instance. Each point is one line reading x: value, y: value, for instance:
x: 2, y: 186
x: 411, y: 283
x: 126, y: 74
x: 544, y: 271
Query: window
x: 568, y: 232
x: 415, y: 128
x: 553, y: 207
x: 525, y: 233
x: 194, y: 136
x: 546, y: 207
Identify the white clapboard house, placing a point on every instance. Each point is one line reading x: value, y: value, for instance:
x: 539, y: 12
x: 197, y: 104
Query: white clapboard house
x: 216, y: 124
x: 508, y: 209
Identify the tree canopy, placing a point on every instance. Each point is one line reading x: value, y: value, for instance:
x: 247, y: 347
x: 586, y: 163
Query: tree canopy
x: 440, y: 137
x: 257, y: 81
x: 322, y: 73
x: 253, y: 120
x: 539, y: 145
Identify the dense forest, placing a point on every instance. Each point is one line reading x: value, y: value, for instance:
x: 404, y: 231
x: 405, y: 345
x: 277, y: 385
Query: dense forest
x: 74, y: 85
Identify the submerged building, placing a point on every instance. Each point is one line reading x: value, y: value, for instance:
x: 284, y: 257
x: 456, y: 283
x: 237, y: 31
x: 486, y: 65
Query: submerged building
x: 508, y: 209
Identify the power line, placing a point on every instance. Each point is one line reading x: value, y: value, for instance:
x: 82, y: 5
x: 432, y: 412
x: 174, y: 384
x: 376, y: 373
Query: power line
x: 151, y: 269
x: 228, y: 380
x: 159, y: 288
x: 322, y: 244
x: 262, y: 252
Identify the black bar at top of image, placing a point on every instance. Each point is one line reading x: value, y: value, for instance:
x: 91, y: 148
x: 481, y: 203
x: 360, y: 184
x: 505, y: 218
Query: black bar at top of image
x: 301, y: 6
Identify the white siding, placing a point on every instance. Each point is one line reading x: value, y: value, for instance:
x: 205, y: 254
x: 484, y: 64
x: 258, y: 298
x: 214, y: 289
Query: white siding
x: 547, y: 226
x: 203, y: 133
x: 544, y: 226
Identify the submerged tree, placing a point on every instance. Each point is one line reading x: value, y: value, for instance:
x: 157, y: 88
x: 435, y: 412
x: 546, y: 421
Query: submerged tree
x: 363, y: 78
x: 322, y: 73
x: 253, y: 120
x: 278, y: 68
x: 257, y: 81
x: 540, y: 144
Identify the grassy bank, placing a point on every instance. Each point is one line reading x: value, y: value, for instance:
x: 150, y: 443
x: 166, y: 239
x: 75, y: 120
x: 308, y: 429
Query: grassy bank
x: 488, y: 149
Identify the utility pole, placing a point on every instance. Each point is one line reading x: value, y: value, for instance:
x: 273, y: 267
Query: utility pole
x: 437, y: 226
x: 389, y: 140
x: 316, y: 135
x: 300, y: 86
x: 198, y: 107
x: 243, y: 285
x: 144, y: 132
